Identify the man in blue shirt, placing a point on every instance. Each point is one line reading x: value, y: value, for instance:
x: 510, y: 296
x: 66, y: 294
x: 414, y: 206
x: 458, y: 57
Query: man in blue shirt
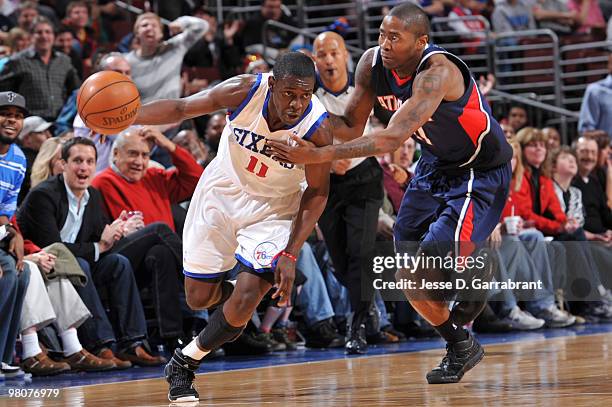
x: 14, y: 276
x: 596, y: 109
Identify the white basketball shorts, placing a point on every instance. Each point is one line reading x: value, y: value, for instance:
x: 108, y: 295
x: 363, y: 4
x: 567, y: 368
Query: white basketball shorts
x: 225, y: 224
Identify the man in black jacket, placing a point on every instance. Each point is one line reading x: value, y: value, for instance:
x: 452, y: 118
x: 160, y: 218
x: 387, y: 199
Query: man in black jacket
x: 67, y: 209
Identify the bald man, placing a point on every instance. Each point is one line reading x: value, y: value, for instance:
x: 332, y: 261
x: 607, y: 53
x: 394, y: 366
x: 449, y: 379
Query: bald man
x: 350, y: 218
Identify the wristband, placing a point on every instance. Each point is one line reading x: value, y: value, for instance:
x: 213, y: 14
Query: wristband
x: 289, y: 256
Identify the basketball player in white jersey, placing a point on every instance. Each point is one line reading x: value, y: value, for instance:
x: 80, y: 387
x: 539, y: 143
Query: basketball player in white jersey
x: 247, y: 207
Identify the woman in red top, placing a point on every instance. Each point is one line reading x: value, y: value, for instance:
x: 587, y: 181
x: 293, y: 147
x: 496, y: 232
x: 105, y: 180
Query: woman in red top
x: 536, y: 199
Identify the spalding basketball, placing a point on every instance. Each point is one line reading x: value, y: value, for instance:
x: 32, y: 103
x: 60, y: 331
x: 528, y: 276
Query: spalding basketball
x: 108, y: 102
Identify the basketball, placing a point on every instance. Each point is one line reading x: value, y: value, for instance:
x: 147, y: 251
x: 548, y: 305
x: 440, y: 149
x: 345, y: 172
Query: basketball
x: 108, y: 102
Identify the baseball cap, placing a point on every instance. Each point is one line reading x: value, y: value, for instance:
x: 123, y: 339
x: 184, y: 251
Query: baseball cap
x: 13, y: 99
x: 34, y: 124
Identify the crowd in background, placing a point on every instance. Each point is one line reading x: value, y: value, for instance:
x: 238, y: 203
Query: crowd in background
x: 91, y: 266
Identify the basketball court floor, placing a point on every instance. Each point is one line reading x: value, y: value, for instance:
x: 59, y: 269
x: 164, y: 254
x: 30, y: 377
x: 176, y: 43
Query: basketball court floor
x: 563, y: 367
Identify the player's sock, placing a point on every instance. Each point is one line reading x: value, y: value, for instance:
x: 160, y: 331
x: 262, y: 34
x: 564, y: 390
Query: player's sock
x: 193, y: 350
x: 451, y: 332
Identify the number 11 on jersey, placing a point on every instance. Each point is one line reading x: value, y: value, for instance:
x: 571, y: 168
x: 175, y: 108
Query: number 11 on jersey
x: 263, y: 168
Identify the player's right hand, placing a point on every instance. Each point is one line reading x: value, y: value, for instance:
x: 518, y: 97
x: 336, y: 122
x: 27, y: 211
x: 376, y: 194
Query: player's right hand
x: 284, y: 275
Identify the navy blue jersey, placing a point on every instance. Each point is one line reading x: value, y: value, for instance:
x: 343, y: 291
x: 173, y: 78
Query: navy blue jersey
x: 459, y: 135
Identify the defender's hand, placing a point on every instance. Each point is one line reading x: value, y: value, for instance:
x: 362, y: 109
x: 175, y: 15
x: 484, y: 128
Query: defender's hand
x: 296, y: 151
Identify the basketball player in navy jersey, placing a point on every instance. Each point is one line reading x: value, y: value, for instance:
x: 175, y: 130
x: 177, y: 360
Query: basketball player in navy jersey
x: 247, y: 207
x: 462, y: 179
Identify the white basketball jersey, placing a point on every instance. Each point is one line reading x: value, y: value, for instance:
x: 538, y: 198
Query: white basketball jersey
x: 243, y: 153
x: 335, y: 103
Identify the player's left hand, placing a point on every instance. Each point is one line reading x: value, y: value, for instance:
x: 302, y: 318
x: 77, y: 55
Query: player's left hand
x: 295, y: 151
x: 284, y: 275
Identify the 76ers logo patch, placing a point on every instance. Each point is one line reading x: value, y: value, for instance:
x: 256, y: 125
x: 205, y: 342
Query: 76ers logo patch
x: 264, y: 253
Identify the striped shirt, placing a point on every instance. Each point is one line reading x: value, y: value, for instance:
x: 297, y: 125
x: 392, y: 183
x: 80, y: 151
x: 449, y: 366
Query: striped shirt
x: 573, y: 206
x: 159, y: 76
x: 12, y: 172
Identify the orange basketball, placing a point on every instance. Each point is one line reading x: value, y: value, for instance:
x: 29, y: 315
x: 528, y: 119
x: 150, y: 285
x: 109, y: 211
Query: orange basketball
x: 108, y: 102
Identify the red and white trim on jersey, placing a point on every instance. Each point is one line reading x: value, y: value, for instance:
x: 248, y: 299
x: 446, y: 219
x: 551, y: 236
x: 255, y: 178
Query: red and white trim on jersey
x: 473, y: 119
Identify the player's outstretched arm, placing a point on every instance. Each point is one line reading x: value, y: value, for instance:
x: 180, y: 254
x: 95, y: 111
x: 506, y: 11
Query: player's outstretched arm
x: 311, y: 207
x: 429, y: 88
x: 351, y: 125
x: 226, y: 95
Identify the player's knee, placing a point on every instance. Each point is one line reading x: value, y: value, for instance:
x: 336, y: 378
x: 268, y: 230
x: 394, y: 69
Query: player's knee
x: 200, y: 299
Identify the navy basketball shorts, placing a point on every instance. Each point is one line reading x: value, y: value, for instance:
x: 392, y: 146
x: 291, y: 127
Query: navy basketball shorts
x: 440, y: 209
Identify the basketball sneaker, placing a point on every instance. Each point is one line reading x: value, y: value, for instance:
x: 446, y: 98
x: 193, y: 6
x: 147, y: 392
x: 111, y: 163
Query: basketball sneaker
x: 180, y: 373
x: 460, y: 357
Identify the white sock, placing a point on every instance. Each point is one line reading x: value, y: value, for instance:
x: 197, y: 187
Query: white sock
x: 193, y: 351
x: 29, y: 343
x: 71, y: 342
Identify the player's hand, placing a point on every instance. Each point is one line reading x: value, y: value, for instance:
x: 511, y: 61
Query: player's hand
x: 16, y: 249
x: 154, y: 136
x: 284, y: 275
x: 296, y: 151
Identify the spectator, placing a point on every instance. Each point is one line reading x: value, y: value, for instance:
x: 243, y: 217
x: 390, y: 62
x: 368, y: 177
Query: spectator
x: 589, y: 18
x: 77, y: 19
x: 189, y: 140
x: 472, y: 31
x: 517, y: 118
x: 131, y: 185
x: 508, y: 131
x: 19, y: 39
x: 554, y: 14
x: 57, y: 302
x: 512, y: 15
x: 525, y: 257
x: 598, y: 216
x: 14, y: 276
x: 26, y: 14
x: 48, y: 162
x: 603, y: 170
x: 537, y: 195
x: 67, y: 209
x: 596, y: 108
x: 433, y: 8
x: 564, y: 170
x: 156, y: 64
x: 553, y: 138
x: 277, y: 38
x: 217, y: 49
x: 259, y: 65
x: 69, y: 117
x: 212, y: 135
x: 34, y: 133
x: 45, y: 77
x: 64, y: 40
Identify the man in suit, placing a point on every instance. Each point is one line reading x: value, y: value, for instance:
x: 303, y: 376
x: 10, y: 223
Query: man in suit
x: 67, y: 209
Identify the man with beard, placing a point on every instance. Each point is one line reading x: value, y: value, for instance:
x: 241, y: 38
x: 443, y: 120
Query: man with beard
x: 14, y: 276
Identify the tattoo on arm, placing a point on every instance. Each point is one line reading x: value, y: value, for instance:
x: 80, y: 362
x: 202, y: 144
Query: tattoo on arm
x: 362, y: 147
x: 429, y: 83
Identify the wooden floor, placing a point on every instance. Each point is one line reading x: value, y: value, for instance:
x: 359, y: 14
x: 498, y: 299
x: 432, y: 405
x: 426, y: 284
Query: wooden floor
x: 566, y: 371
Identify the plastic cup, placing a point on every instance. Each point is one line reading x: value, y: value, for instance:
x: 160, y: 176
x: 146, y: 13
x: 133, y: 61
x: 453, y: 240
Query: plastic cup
x: 512, y: 223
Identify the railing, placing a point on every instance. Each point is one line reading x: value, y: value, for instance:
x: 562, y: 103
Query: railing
x: 581, y: 64
x: 474, y: 47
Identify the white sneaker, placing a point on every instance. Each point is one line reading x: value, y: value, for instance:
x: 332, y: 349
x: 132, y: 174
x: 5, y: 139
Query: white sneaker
x: 555, y: 318
x: 523, y: 320
x: 12, y: 372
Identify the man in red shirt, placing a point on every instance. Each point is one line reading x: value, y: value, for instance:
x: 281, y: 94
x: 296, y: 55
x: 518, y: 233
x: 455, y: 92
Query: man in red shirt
x: 154, y: 249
